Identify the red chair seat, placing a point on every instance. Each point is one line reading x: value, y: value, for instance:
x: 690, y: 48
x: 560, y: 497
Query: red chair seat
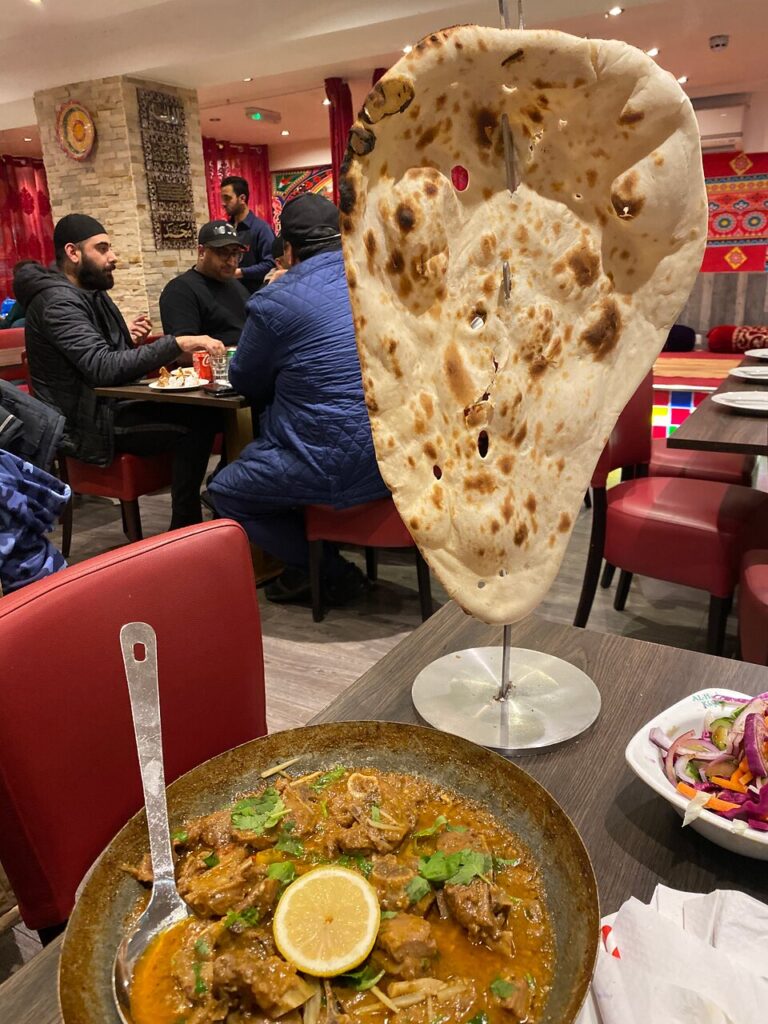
x: 127, y: 477
x: 753, y: 607
x: 691, y: 532
x: 720, y: 466
x: 376, y: 524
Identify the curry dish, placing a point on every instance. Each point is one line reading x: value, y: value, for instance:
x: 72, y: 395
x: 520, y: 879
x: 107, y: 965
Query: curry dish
x: 465, y: 935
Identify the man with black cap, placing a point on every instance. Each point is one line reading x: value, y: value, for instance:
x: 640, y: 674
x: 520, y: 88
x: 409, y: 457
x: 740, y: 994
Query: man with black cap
x: 207, y: 299
x: 298, y: 360
x: 77, y: 340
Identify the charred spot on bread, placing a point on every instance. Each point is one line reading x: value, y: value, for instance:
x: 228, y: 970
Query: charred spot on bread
x: 361, y: 139
x: 428, y: 136
x: 521, y: 534
x: 396, y: 263
x: 347, y: 200
x: 584, y: 264
x: 624, y: 198
x: 629, y: 116
x: 603, y: 334
x: 513, y: 58
x: 405, y: 217
x: 564, y: 523
x: 486, y: 122
x: 389, y: 96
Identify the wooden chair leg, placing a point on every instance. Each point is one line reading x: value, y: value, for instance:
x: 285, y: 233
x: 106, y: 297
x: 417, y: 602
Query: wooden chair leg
x: 622, y: 590
x: 131, y: 520
x: 66, y: 528
x: 425, y: 586
x: 719, y: 608
x: 372, y: 564
x: 607, y: 578
x: 315, y: 564
x: 51, y: 932
x: 594, y: 558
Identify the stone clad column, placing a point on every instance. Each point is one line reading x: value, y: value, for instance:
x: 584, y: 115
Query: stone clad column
x: 111, y: 183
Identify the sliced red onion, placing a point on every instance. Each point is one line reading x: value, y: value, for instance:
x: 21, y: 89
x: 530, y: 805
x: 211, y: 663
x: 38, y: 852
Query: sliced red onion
x: 758, y: 706
x: 669, y: 759
x: 724, y: 766
x: 761, y: 826
x: 681, y: 764
x: 755, y: 735
x: 660, y: 738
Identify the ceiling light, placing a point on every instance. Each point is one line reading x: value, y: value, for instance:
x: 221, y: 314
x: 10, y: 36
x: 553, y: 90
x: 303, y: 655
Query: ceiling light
x: 26, y: 139
x: 249, y: 79
x: 407, y: 49
x: 614, y: 12
x: 683, y: 79
x: 285, y: 132
x: 37, y: 3
x: 653, y: 52
x: 326, y: 102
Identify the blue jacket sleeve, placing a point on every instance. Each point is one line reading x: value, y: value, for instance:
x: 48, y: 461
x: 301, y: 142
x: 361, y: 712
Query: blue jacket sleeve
x: 262, y: 237
x: 254, y: 365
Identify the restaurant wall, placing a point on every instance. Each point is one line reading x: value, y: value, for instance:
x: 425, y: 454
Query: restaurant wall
x: 111, y: 185
x: 285, y: 156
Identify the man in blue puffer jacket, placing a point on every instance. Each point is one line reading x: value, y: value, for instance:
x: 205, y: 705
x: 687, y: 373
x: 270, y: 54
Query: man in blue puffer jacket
x: 297, y: 361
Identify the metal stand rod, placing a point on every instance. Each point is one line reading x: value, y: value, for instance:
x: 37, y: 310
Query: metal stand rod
x: 505, y: 658
x: 505, y: 18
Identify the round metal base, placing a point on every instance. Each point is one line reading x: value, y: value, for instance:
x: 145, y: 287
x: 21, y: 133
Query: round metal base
x: 549, y: 699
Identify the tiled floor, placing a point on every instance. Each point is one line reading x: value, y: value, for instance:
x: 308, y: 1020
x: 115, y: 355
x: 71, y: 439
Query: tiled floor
x: 309, y: 664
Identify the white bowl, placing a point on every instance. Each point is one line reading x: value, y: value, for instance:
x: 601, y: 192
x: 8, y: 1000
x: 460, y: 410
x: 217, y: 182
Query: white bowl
x: 645, y: 760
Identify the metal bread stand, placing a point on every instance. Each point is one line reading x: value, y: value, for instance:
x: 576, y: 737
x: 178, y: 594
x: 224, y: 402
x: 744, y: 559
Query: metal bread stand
x: 506, y: 697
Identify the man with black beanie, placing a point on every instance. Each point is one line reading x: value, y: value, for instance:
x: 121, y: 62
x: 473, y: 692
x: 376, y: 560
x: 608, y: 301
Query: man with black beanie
x: 297, y: 360
x: 77, y: 340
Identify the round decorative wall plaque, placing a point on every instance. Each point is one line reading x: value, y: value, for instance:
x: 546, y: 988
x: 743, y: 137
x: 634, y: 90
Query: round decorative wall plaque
x: 75, y: 130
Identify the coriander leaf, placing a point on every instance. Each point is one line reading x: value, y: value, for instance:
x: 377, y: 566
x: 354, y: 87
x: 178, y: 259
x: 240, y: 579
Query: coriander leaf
x: 375, y: 812
x: 284, y: 871
x: 259, y: 813
x: 479, y: 1018
x: 436, y: 825
x: 439, y: 866
x: 200, y: 987
x: 455, y: 828
x: 180, y: 837
x: 288, y: 845
x: 356, y: 861
x: 471, y: 866
x: 325, y: 780
x: 455, y: 868
x: 499, y: 863
x: 202, y: 948
x: 388, y: 914
x: 531, y: 981
x: 324, y: 808
x: 417, y: 889
x: 240, y: 920
x: 362, y: 979
x: 502, y: 988
x: 211, y: 860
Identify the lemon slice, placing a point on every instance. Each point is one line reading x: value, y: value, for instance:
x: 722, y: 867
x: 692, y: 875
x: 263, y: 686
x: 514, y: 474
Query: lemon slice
x: 327, y: 921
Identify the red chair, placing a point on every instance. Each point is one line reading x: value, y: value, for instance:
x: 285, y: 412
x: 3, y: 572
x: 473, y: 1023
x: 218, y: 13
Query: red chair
x: 753, y: 607
x: 376, y: 524
x: 69, y: 776
x: 720, y: 466
x: 686, y: 531
x: 127, y: 478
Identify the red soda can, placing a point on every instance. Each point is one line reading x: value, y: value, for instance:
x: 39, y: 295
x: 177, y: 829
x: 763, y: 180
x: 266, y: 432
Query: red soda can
x: 201, y: 363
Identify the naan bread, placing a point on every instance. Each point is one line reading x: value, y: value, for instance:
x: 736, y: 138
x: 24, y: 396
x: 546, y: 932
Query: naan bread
x: 488, y: 415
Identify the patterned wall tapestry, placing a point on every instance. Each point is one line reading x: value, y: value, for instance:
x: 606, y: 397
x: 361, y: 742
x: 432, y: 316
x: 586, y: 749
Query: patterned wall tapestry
x: 737, y: 190
x: 166, y: 161
x: 287, y: 185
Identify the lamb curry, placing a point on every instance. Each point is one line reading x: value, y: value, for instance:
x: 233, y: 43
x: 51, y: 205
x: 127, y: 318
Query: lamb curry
x: 464, y: 935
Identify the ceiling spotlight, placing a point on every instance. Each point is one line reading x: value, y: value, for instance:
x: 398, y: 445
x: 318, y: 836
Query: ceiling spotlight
x: 614, y: 12
x: 27, y: 139
x: 249, y: 79
x: 407, y: 49
x: 653, y: 52
x: 683, y: 79
x: 326, y: 102
x: 285, y: 132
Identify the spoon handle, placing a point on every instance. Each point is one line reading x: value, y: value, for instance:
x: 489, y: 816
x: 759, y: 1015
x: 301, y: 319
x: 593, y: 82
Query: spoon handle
x: 141, y: 674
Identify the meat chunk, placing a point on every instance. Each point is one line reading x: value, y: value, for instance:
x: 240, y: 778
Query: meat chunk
x: 274, y: 985
x: 405, y: 946
x: 519, y: 1003
x: 212, y: 831
x: 453, y: 842
x: 142, y: 871
x: 370, y: 816
x: 481, y: 909
x: 235, y: 881
x: 303, y: 806
x: 390, y: 877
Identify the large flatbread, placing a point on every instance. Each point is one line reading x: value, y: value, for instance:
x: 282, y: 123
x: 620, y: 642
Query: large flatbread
x: 488, y: 415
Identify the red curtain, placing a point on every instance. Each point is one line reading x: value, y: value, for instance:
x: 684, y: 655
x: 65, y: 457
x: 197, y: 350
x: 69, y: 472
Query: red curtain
x: 340, y: 117
x: 26, y: 226
x: 250, y: 162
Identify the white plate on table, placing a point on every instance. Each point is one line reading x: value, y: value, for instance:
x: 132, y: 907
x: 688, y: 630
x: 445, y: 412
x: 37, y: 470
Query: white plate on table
x: 754, y: 373
x: 188, y: 384
x: 757, y: 353
x: 743, y: 401
x: 645, y: 760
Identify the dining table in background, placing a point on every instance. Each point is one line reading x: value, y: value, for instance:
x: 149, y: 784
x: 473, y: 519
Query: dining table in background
x: 714, y: 428
x: 11, y: 358
x: 633, y: 837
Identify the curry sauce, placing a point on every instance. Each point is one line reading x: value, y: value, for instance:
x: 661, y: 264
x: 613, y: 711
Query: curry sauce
x: 465, y: 935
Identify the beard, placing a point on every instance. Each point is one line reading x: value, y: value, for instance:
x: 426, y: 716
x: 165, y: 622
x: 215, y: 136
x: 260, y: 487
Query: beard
x: 93, y: 277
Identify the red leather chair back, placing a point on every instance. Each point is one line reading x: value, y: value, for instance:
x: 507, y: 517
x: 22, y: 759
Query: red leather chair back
x: 69, y: 775
x: 630, y: 441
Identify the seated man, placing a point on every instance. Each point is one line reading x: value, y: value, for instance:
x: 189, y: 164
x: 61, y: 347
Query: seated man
x: 77, y: 340
x: 207, y: 299
x: 297, y: 356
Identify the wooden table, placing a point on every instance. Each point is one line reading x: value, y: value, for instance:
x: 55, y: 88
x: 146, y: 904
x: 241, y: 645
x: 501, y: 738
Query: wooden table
x: 11, y: 357
x: 713, y: 428
x: 634, y: 837
x: 238, y: 425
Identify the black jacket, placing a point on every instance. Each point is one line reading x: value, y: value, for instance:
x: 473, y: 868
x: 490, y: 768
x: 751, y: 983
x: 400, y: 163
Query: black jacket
x: 28, y: 428
x: 76, y: 341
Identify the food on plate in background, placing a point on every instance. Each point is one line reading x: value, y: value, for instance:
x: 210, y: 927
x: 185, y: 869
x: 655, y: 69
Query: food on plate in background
x: 399, y: 894
x: 511, y: 289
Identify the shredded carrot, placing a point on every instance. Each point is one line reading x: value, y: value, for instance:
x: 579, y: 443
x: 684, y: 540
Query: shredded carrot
x: 713, y: 804
x: 746, y: 778
x: 737, y: 787
x: 744, y: 765
x: 735, y: 775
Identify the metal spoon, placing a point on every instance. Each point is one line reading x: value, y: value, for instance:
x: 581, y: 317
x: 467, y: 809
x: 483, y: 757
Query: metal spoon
x: 165, y: 906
